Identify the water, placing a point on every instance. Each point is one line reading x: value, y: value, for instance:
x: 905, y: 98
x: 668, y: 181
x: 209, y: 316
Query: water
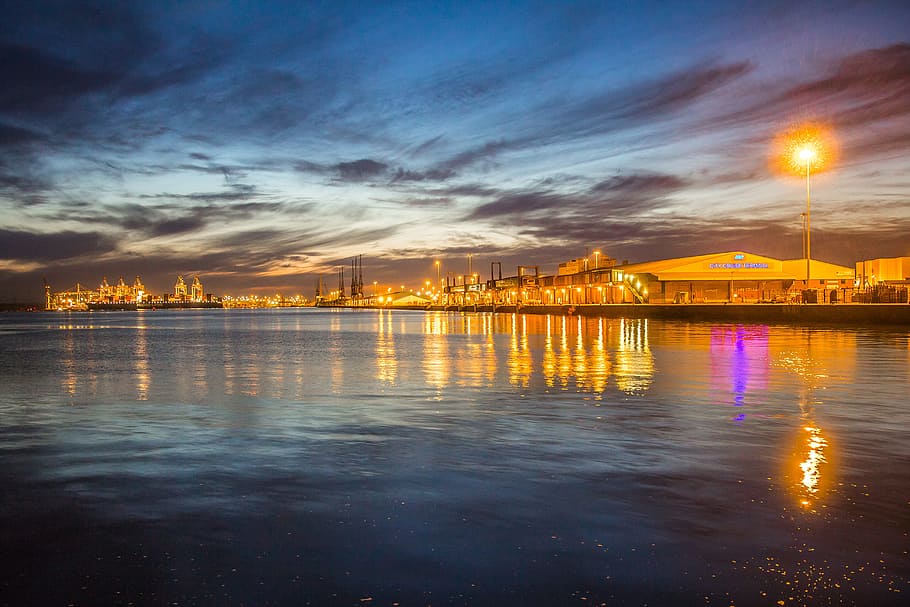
x: 323, y: 457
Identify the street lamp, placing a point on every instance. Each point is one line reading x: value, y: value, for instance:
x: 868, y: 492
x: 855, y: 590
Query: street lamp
x: 807, y: 154
x: 803, y: 150
x: 438, y: 282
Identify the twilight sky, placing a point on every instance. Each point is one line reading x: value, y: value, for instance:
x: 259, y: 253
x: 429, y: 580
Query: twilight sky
x: 260, y: 144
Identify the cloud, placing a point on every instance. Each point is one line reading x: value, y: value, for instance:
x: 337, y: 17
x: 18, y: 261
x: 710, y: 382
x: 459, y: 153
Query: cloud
x: 420, y: 203
x: 520, y: 203
x: 22, y: 184
x: 606, y: 199
x: 636, y: 104
x: 471, y: 190
x: 179, y: 225
x: 864, y: 96
x: 471, y: 156
x: 869, y: 86
x: 36, y: 82
x: 12, y: 135
x: 305, y: 166
x: 639, y: 184
x: 35, y: 246
x: 402, y: 175
x: 426, y: 146
x: 172, y: 219
x: 360, y: 170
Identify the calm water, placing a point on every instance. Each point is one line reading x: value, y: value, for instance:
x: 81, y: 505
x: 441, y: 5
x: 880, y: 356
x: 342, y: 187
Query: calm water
x: 379, y: 458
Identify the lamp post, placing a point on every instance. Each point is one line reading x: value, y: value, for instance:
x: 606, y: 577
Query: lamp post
x: 807, y: 155
x: 438, y: 282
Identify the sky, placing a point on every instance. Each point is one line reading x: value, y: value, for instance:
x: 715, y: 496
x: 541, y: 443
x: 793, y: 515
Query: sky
x: 260, y: 144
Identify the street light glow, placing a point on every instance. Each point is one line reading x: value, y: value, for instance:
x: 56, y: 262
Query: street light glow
x: 803, y: 151
x: 807, y: 154
x: 810, y: 145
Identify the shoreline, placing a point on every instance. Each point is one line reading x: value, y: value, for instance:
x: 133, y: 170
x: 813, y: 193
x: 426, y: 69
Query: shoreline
x: 843, y: 314
x: 854, y: 314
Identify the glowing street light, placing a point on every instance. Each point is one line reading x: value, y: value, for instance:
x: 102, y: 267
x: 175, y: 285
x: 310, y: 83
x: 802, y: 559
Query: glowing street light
x: 801, y: 151
x: 807, y: 154
x: 438, y: 282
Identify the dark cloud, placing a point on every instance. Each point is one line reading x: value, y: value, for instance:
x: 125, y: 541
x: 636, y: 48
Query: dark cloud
x: 12, y: 135
x: 35, y: 246
x: 360, y: 170
x: 402, y: 175
x: 639, y: 103
x: 472, y: 190
x: 367, y: 169
x: 237, y: 192
x: 172, y: 219
x: 469, y: 157
x: 179, y: 225
x: 22, y: 184
x: 522, y: 204
x: 639, y: 184
x: 426, y: 146
x: 639, y: 192
x: 866, y: 87
x: 38, y: 82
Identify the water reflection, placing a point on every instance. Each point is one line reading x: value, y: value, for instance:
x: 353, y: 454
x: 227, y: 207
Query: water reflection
x: 69, y: 377
x: 812, y: 465
x: 634, y: 367
x: 820, y: 365
x: 335, y: 354
x: 386, y: 357
x: 141, y: 358
x: 554, y: 351
x: 435, y: 352
x: 520, y: 362
x: 663, y: 467
x: 739, y: 361
x: 599, y: 365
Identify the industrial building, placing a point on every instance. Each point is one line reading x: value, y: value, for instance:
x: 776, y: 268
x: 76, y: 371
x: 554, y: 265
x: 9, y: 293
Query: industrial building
x: 729, y: 277
x: 736, y: 277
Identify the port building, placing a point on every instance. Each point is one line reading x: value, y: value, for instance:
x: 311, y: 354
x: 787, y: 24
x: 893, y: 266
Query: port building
x: 726, y: 277
x: 889, y: 270
x: 736, y: 277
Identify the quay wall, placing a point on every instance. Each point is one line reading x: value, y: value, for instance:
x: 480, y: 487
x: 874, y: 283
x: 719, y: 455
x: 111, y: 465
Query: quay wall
x: 848, y: 314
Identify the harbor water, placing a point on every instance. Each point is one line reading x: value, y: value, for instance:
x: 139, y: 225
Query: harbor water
x: 376, y: 457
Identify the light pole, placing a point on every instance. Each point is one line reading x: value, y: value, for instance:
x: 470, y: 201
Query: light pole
x: 438, y: 282
x: 802, y: 220
x: 807, y: 155
x: 596, y: 259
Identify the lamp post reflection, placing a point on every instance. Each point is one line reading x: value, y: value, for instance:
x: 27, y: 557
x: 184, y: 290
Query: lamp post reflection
x: 807, y: 468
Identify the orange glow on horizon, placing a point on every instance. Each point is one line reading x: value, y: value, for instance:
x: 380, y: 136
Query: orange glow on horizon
x: 811, y: 143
